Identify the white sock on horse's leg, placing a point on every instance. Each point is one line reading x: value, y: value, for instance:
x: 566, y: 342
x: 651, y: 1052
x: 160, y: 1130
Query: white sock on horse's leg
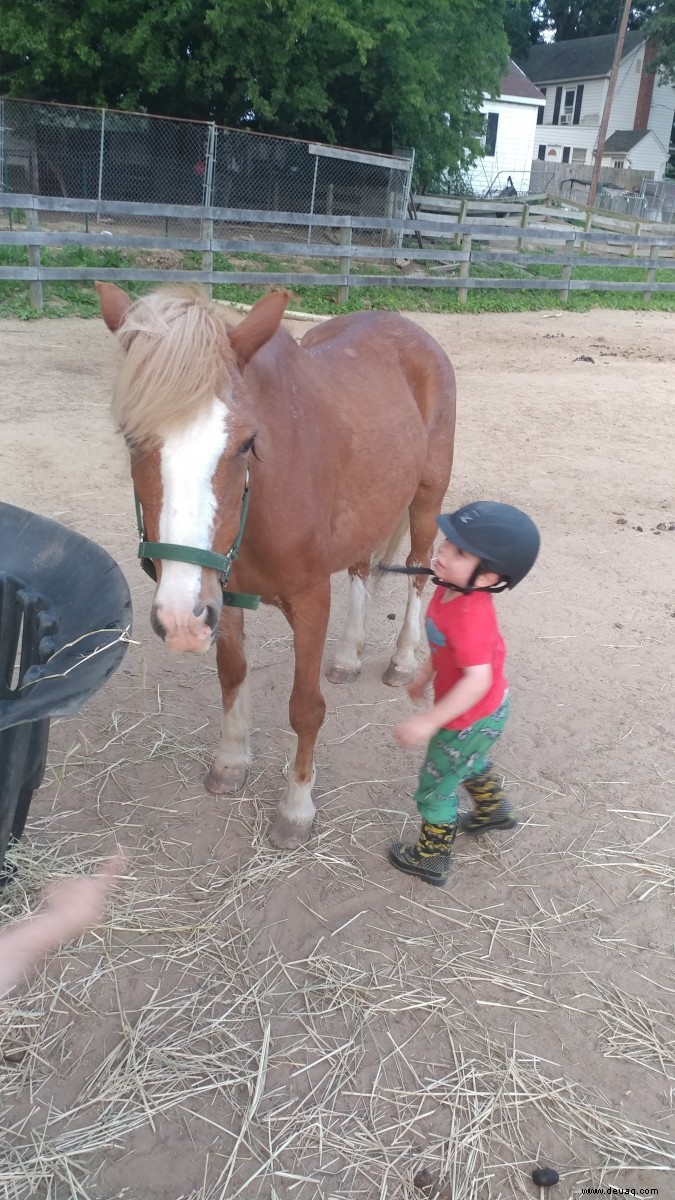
x: 346, y: 663
x: 232, y: 758
x: 404, y: 662
x: 293, y: 824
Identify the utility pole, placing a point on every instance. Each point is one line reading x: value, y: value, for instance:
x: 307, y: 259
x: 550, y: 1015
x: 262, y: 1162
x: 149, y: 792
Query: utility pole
x: 602, y: 132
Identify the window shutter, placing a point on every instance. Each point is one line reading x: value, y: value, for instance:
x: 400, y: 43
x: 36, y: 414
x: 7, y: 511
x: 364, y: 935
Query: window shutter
x: 541, y: 152
x: 566, y: 154
x: 491, y: 135
x: 557, y: 103
x: 540, y: 112
x: 577, y: 106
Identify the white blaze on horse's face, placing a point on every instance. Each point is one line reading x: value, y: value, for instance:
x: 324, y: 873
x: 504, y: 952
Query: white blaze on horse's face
x: 189, y: 458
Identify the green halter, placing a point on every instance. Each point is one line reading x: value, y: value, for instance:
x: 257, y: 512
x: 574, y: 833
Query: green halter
x: 222, y: 563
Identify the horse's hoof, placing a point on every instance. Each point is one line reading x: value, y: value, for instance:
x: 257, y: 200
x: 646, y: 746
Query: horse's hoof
x: 395, y: 677
x: 338, y: 674
x: 225, y: 781
x: 288, y: 835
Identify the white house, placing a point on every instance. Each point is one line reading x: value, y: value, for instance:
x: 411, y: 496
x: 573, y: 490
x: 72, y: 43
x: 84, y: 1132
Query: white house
x: 510, y: 136
x: 574, y: 77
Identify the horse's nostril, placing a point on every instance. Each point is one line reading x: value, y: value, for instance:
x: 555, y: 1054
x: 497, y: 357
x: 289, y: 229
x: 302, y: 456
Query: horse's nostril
x: 210, y: 616
x: 157, y: 624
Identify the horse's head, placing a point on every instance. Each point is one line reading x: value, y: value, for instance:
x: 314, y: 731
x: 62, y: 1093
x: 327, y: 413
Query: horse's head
x: 190, y: 424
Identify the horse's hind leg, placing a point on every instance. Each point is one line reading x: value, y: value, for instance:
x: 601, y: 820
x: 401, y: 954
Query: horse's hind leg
x: 346, y: 664
x: 229, y: 768
x: 423, y: 529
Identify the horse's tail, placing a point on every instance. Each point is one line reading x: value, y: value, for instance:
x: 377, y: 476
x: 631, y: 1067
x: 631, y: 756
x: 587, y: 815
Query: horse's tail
x: 385, y: 553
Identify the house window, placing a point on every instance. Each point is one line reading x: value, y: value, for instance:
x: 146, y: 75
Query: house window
x: 566, y: 154
x: 567, y: 108
x: 578, y: 154
x: 619, y: 162
x: 491, y: 135
x: 541, y: 152
x: 540, y: 114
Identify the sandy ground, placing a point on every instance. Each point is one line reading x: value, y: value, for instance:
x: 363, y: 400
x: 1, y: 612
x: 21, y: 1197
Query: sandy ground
x: 254, y: 1024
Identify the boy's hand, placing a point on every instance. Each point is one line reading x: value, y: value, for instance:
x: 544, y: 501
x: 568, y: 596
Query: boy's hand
x: 416, y: 730
x: 71, y: 906
x: 417, y: 687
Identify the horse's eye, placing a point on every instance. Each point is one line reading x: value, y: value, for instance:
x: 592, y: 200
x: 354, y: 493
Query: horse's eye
x: 247, y: 445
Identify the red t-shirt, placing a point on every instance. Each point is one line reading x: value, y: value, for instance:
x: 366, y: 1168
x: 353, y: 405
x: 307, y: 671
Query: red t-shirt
x: 464, y: 632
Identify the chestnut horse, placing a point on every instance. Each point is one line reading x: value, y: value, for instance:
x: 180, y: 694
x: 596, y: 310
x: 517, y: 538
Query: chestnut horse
x: 343, y: 436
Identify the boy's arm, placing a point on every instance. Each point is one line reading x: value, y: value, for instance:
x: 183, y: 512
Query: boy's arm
x: 474, y: 684
x: 71, y: 907
x: 421, y: 680
x: 425, y: 670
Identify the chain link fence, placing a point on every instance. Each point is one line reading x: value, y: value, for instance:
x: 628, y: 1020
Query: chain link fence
x: 622, y: 190
x: 102, y: 154
x: 653, y: 201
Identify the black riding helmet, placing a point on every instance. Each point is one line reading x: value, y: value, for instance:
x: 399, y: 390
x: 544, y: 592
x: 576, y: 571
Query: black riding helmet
x: 504, y: 538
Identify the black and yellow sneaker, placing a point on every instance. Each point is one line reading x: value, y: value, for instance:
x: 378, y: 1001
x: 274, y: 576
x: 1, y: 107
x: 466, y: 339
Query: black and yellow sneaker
x: 429, y: 856
x: 492, y: 811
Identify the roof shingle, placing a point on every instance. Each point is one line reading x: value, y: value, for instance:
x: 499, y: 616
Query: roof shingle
x: 582, y: 58
x: 516, y: 83
x: 623, y: 140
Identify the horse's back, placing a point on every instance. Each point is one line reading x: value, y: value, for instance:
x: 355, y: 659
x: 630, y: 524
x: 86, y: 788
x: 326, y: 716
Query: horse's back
x: 373, y: 330
x: 385, y: 355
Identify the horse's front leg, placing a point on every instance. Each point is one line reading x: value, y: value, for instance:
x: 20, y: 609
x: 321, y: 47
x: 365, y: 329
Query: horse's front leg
x: 308, y: 616
x: 230, y: 765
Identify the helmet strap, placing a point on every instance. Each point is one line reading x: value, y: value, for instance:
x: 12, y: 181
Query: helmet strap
x: 495, y: 588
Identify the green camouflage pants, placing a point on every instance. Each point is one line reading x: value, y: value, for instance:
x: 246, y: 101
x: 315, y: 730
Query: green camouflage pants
x: 454, y: 755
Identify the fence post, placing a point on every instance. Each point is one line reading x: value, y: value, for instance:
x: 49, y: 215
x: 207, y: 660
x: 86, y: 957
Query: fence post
x: 311, y: 211
x: 524, y: 218
x: 391, y: 238
x: 100, y: 164
x: 566, y: 273
x: 207, y: 200
x: 344, y: 264
x: 35, y: 287
x: 207, y: 255
x: 461, y: 218
x: 651, y: 273
x: 587, y: 226
x: 464, y: 267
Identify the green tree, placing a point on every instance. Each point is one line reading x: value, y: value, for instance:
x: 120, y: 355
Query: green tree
x: 522, y: 26
x: 380, y: 74
x: 661, y: 27
x: 565, y: 20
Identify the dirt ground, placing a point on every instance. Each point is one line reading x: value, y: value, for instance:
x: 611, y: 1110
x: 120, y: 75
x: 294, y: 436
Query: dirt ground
x: 255, y: 1024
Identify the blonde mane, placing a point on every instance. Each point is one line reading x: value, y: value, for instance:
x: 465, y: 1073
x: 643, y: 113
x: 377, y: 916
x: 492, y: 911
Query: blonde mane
x: 176, y: 353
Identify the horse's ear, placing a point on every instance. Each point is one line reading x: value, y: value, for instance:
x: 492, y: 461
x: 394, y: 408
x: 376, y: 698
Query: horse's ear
x: 114, y: 303
x: 258, y: 326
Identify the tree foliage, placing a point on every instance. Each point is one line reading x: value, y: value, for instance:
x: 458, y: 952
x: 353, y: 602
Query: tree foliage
x: 661, y: 26
x: 564, y: 20
x: 379, y: 74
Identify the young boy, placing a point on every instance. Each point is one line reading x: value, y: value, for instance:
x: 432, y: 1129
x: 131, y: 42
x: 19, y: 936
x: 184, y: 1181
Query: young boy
x: 488, y: 547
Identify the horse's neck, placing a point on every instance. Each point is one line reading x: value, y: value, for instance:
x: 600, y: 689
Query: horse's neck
x: 292, y: 397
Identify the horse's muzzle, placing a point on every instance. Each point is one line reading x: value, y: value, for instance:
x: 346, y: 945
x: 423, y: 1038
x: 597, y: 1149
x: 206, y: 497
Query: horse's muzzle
x: 191, y: 633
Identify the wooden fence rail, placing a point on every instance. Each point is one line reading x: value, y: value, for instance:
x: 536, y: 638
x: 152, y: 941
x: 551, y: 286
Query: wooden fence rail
x: 474, y: 243
x: 531, y: 210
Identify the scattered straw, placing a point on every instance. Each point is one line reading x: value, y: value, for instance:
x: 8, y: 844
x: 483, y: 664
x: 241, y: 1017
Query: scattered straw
x: 318, y: 1025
